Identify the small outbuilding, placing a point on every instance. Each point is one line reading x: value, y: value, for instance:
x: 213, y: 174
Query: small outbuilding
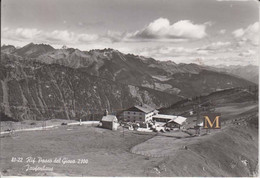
x: 109, y: 122
x: 163, y: 118
x: 176, y: 122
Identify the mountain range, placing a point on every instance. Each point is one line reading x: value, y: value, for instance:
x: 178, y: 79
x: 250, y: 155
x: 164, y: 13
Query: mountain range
x: 249, y: 72
x: 40, y: 82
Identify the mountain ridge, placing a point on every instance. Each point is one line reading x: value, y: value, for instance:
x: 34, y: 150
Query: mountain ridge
x: 249, y: 72
x: 79, y: 81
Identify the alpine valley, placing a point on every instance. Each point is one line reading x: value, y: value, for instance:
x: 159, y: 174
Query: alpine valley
x: 40, y: 82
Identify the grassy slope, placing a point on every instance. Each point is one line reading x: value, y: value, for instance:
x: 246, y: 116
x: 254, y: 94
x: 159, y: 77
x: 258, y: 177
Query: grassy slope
x: 111, y: 154
x: 217, y: 154
x: 221, y: 153
x: 108, y: 152
x: 218, y: 99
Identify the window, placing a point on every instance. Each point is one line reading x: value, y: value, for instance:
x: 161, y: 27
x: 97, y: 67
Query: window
x: 134, y: 112
x: 128, y: 112
x: 140, y: 114
x: 140, y: 118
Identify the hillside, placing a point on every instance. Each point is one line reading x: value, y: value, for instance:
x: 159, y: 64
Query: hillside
x: 8, y: 49
x: 213, y: 100
x: 32, y: 90
x: 33, y: 50
x: 147, y: 72
x: 38, y: 81
x: 230, y: 151
x: 249, y: 72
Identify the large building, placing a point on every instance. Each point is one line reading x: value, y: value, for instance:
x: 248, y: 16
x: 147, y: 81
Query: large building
x: 139, y: 113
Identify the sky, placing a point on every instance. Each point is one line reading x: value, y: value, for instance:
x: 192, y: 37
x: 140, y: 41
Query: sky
x: 206, y: 32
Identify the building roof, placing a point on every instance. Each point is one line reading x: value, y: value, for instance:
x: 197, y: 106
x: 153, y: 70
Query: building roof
x: 171, y: 118
x: 179, y: 120
x: 200, y: 124
x: 109, y: 118
x: 163, y: 116
x: 144, y: 108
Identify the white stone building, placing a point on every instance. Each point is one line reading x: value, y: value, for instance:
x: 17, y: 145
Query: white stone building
x: 139, y: 113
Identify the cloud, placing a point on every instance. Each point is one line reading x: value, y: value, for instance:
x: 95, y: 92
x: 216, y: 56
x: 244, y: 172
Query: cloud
x: 158, y: 30
x: 219, y: 52
x: 166, y: 52
x: 53, y: 37
x: 21, y: 33
x: 238, y: 33
x: 249, y: 34
x: 112, y: 36
x: 161, y: 28
x: 27, y: 33
x: 247, y: 53
x: 60, y: 36
x: 87, y: 37
x: 69, y: 37
x: 216, y: 46
x: 222, y: 31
